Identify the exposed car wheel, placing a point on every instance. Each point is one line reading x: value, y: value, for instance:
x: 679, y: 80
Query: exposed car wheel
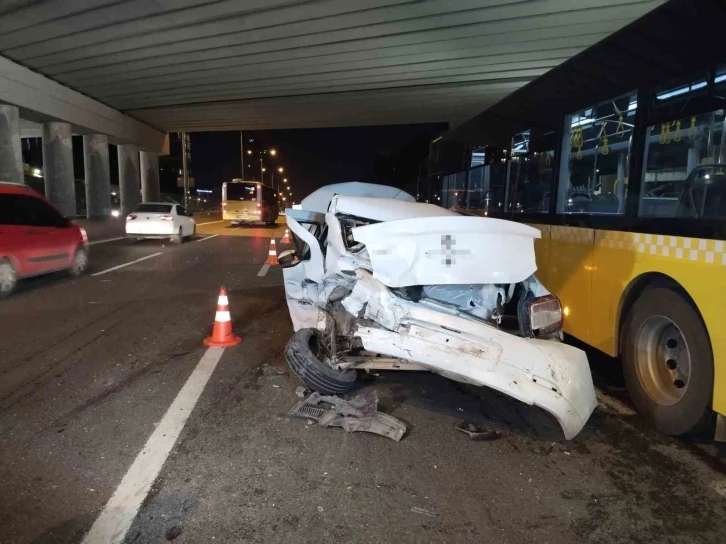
x: 80, y: 263
x: 8, y: 278
x: 178, y: 238
x: 302, y: 356
x: 668, y: 362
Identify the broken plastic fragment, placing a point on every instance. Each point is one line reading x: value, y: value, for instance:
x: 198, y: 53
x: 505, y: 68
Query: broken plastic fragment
x: 359, y: 414
x: 477, y: 433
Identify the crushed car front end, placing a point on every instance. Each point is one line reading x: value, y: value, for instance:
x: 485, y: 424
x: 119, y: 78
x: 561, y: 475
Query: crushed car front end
x: 398, y: 284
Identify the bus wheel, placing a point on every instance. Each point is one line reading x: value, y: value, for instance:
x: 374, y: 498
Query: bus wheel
x: 667, y: 362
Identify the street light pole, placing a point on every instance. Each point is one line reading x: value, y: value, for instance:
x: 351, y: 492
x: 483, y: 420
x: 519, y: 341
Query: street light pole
x: 185, y: 173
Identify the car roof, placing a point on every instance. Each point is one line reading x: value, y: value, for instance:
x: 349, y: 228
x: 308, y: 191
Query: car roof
x: 319, y: 200
x: 8, y: 187
x: 386, y: 209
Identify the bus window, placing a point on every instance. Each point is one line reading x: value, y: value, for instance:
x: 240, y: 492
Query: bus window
x: 243, y: 192
x: 674, y: 150
x: 596, y: 157
x: 531, y: 171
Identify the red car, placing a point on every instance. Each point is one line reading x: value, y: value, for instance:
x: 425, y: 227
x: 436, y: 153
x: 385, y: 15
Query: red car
x: 35, y: 238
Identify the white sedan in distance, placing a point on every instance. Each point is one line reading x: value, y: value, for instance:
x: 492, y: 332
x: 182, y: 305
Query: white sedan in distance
x: 160, y: 220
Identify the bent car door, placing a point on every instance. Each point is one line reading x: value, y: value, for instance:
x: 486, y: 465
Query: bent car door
x: 303, y: 277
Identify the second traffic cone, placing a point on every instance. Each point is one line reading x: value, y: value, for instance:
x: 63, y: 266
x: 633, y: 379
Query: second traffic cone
x: 222, y: 335
x: 272, y: 254
x: 286, y: 238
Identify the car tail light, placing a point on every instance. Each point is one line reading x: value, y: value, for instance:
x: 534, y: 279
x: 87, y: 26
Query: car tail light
x: 258, y: 209
x: 84, y: 235
x: 130, y: 217
x: 166, y: 218
x: 540, y: 316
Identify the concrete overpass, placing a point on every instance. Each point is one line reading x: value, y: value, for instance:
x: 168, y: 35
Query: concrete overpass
x: 130, y: 70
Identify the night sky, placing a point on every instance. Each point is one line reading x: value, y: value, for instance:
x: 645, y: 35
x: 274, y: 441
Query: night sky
x: 315, y: 157
x: 392, y: 155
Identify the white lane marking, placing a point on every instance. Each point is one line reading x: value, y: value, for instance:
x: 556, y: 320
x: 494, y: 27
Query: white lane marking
x: 120, y: 511
x: 207, y: 238
x: 211, y: 222
x: 263, y: 270
x: 107, y: 240
x: 125, y: 264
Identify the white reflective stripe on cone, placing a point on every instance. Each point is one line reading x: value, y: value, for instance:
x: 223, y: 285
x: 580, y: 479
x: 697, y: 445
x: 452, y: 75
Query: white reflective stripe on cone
x: 222, y: 317
x: 272, y: 252
x: 223, y: 300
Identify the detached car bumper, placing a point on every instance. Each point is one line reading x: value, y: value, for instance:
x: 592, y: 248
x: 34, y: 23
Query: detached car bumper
x: 544, y: 373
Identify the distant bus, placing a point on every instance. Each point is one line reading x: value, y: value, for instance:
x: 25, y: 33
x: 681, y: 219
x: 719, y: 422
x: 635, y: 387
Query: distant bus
x: 249, y: 202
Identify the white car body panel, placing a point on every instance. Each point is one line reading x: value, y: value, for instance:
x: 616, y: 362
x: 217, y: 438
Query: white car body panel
x: 449, y: 250
x: 407, y: 250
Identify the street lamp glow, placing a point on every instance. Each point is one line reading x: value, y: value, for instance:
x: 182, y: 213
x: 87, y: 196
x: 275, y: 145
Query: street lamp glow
x: 280, y: 169
x: 264, y: 169
x: 285, y: 180
x: 249, y: 152
x: 273, y: 152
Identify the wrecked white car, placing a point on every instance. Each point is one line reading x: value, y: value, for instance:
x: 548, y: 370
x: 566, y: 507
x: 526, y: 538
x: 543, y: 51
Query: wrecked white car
x: 389, y: 283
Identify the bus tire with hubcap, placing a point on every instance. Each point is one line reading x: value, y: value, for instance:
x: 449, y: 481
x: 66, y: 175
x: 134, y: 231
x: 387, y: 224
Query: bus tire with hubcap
x: 668, y: 362
x: 8, y: 278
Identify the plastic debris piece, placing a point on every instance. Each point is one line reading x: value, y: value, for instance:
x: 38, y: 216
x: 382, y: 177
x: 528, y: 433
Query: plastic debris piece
x: 359, y: 414
x: 477, y: 433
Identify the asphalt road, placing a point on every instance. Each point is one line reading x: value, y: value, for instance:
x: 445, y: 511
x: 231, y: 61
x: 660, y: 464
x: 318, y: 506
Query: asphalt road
x: 90, y: 366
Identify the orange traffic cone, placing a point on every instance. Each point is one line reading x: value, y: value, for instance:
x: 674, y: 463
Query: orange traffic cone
x: 272, y: 255
x: 286, y: 238
x: 222, y: 335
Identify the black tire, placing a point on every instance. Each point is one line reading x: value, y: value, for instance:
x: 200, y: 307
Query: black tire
x: 692, y: 412
x: 316, y: 375
x: 8, y: 283
x: 80, y: 263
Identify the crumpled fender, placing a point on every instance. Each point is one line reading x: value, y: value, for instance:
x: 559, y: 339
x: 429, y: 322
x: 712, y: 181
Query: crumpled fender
x: 544, y: 373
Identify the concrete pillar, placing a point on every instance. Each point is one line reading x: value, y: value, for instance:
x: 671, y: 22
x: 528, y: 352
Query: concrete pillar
x: 60, y: 186
x: 11, y: 155
x: 150, y: 190
x: 128, y: 177
x: 97, y: 174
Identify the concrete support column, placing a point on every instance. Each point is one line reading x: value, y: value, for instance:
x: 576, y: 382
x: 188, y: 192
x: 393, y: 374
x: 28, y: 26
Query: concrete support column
x: 150, y: 190
x: 60, y: 186
x: 128, y: 177
x: 11, y: 155
x: 98, y: 176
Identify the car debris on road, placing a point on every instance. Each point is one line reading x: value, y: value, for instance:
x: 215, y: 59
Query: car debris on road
x: 478, y: 434
x: 359, y: 414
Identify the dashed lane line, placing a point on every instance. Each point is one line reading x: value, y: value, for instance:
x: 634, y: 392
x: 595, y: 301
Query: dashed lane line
x: 206, y: 237
x: 117, y: 516
x: 107, y: 240
x: 125, y: 264
x: 263, y: 270
x: 211, y: 222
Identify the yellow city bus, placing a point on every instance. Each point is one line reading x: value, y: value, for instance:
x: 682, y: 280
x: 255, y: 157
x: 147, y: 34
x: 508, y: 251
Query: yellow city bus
x: 624, y: 173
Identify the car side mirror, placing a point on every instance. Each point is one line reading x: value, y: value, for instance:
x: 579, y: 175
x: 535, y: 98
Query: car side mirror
x: 288, y: 258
